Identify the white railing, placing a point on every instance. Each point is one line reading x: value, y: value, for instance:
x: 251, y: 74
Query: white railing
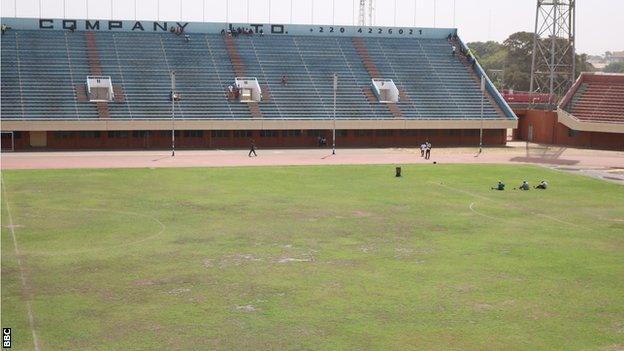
x: 100, y: 82
x: 386, y: 90
x: 251, y: 84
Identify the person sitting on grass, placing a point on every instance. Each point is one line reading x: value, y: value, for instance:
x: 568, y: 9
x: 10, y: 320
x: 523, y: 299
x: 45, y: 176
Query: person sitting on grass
x: 542, y: 185
x: 525, y: 185
x: 499, y: 186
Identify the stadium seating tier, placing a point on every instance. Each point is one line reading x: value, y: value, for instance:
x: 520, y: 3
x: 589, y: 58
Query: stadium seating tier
x: 42, y: 71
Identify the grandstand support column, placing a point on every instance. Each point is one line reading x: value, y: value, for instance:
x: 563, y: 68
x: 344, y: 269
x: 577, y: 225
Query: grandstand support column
x: 173, y: 92
x: 334, y: 127
x: 482, y: 102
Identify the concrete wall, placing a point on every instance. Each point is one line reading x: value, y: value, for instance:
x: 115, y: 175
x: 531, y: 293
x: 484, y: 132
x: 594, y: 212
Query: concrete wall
x: 206, y: 139
x: 547, y: 130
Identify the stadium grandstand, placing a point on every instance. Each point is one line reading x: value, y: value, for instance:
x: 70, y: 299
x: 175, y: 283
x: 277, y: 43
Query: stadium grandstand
x: 590, y: 115
x: 128, y: 84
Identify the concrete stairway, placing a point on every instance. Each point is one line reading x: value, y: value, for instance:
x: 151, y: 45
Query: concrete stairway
x: 367, y: 61
x: 95, y: 68
x: 372, y: 70
x: 239, y: 70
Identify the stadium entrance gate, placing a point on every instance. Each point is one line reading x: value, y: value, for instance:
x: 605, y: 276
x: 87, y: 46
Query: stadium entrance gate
x: 8, y: 141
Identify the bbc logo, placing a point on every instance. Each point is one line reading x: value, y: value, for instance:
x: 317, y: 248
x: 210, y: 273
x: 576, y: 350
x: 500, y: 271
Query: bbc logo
x: 6, y: 338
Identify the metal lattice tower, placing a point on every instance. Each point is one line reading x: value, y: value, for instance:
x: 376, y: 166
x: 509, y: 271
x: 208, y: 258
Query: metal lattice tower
x: 553, y: 65
x: 362, y: 13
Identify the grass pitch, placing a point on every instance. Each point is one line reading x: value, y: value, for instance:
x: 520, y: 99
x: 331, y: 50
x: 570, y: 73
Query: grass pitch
x: 312, y: 258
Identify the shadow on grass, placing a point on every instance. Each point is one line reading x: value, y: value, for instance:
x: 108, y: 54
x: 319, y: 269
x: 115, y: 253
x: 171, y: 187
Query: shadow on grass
x: 551, y: 161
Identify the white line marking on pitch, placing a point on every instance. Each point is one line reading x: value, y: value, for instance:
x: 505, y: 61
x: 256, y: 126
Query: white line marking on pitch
x: 31, y: 320
x: 510, y: 206
x: 479, y: 213
x: 162, y: 230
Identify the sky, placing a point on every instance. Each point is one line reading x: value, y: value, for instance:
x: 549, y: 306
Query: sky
x: 598, y: 22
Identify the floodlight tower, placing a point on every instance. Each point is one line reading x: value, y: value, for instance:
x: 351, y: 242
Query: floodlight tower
x: 553, y: 67
x: 362, y: 13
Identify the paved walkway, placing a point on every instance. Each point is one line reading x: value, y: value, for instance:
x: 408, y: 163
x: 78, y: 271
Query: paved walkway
x: 597, y: 163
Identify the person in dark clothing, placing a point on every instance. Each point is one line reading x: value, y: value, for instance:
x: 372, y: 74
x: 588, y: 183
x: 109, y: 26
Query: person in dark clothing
x: 428, y: 151
x: 223, y: 32
x: 284, y: 80
x: 252, y: 149
x: 261, y: 32
x: 499, y: 186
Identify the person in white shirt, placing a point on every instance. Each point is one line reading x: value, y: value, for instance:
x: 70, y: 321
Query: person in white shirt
x: 542, y: 185
x: 427, y: 150
x: 423, y: 147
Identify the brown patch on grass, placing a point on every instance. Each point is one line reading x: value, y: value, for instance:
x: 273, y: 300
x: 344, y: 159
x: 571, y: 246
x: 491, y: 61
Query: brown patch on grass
x: 614, y: 347
x: 507, y: 277
x: 464, y: 288
x: 184, y: 241
x: 618, y: 327
x: 178, y: 291
x: 367, y: 248
x: 193, y: 206
x: 402, y: 252
x: 539, y: 314
x: 162, y: 281
x: 482, y: 306
x: 305, y: 257
x: 361, y: 214
x: 234, y: 260
x: 246, y: 308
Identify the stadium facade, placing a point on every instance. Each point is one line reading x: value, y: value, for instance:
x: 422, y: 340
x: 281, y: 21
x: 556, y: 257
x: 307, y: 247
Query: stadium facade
x: 88, y: 84
x: 590, y: 115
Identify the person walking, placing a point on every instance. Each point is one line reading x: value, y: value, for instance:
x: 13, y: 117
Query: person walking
x: 423, y: 147
x: 252, y: 149
x: 427, y: 150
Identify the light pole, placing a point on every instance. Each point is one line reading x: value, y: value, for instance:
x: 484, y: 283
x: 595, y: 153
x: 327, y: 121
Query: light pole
x: 482, y: 100
x: 173, y: 95
x: 334, y: 129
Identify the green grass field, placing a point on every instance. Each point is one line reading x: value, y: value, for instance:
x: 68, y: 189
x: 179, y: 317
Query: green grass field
x: 313, y: 258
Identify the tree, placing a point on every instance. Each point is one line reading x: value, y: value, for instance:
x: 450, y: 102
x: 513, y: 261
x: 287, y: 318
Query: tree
x: 615, y: 67
x: 514, y: 58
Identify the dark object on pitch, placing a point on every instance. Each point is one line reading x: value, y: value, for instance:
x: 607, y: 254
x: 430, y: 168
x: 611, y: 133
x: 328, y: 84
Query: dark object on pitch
x: 398, y: 172
x: 435, y: 163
